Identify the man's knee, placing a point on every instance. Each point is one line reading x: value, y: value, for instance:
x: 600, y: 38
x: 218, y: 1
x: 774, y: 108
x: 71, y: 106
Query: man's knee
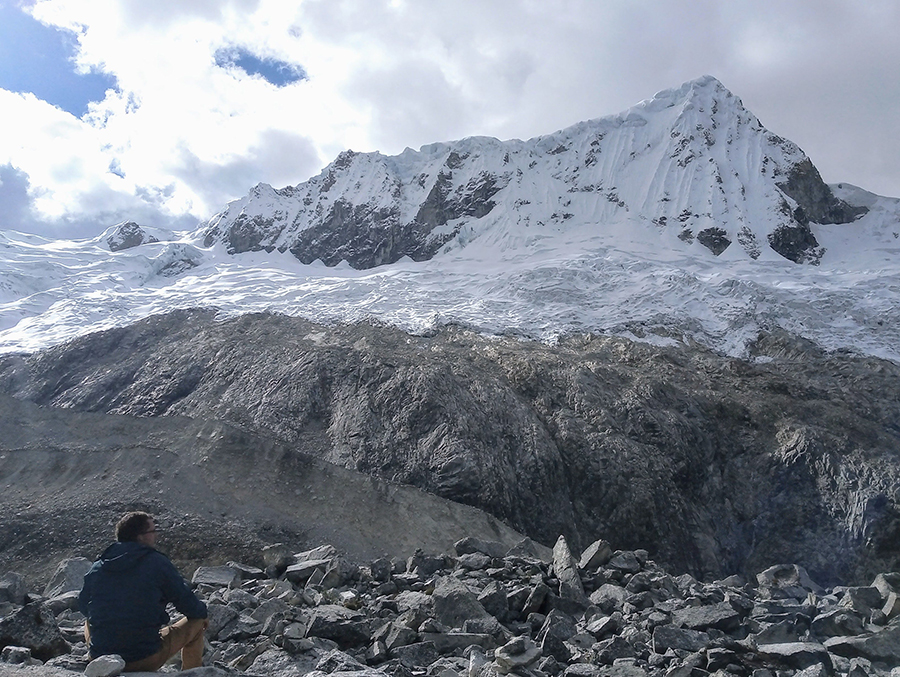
x: 196, y: 627
x: 186, y: 631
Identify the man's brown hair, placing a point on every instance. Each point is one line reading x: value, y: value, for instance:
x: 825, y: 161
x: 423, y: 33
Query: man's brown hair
x: 132, y: 525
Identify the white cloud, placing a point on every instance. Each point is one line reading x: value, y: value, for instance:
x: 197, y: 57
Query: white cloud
x: 184, y: 135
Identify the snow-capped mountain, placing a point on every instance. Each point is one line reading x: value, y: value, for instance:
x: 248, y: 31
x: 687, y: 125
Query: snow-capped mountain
x: 691, y: 162
x: 682, y: 218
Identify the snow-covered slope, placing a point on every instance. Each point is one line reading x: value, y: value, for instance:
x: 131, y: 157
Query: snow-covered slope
x: 608, y: 226
x: 691, y: 163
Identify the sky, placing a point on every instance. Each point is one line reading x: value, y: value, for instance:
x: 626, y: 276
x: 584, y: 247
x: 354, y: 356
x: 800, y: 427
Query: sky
x: 161, y: 112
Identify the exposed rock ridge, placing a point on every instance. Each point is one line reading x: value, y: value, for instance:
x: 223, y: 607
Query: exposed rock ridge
x: 692, y: 162
x: 716, y: 465
x: 127, y: 235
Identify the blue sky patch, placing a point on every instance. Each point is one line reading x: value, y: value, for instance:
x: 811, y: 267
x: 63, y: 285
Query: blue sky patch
x: 274, y: 71
x: 38, y: 59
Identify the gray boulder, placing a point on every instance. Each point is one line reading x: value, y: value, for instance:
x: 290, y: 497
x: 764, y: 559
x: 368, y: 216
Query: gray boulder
x: 667, y: 637
x: 105, y: 666
x: 787, y: 581
x: 13, y: 588
x: 418, y: 655
x: 278, y: 556
x: 219, y: 576
x: 301, y: 572
x: 275, y: 662
x: 625, y: 561
x: 470, y: 545
x: 883, y: 646
x: 863, y: 599
x: 837, y: 622
x: 34, y: 627
x: 494, y: 600
x: 886, y: 583
x: 553, y: 635
x: 721, y: 616
x: 220, y: 616
x: 796, y: 655
x: 609, y: 596
x: 18, y: 655
x: 595, y: 555
x: 67, y: 600
x: 518, y: 653
x: 566, y: 569
x: 341, y: 625
x: 454, y: 603
x: 454, y: 641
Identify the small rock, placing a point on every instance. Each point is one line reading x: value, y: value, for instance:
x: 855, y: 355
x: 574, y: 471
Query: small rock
x: 887, y: 583
x: 418, y: 655
x: 837, y: 622
x: 470, y: 545
x: 67, y: 600
x: 602, y: 626
x: 787, y: 581
x: 105, y: 666
x: 862, y: 599
x: 301, y: 572
x: 595, y: 555
x: 557, y: 629
x: 609, y: 597
x: 494, y: 600
x: 322, y: 552
x: 247, y: 572
x: 720, y: 616
x: 883, y: 646
x: 220, y: 576
x: 475, y: 561
x: 566, y: 569
x: 277, y: 556
x: 450, y: 642
x: 16, y: 655
x: 669, y: 637
x: 424, y: 565
x: 341, y: 625
x: 796, y: 655
x: 625, y: 561
x: 891, y: 606
x: 381, y: 570
x: 454, y: 603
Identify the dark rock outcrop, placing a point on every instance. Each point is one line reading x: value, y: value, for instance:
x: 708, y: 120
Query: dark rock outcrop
x: 128, y: 235
x: 805, y: 186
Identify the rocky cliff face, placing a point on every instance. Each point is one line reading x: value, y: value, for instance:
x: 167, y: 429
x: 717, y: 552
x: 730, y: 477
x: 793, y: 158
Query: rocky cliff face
x: 715, y: 465
x: 691, y: 162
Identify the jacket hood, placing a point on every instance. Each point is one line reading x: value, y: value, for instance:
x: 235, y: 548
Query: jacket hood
x: 123, y: 556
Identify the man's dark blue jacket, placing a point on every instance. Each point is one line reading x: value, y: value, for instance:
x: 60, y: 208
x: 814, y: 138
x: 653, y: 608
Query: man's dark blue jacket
x: 125, y: 595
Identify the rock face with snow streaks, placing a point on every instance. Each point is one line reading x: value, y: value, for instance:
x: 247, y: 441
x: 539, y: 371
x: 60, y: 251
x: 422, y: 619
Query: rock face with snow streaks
x: 691, y: 162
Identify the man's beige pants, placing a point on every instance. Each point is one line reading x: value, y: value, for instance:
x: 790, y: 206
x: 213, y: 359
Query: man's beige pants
x: 185, y: 636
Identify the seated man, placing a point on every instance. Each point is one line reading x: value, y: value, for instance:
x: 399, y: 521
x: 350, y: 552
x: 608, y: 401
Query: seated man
x: 124, y: 600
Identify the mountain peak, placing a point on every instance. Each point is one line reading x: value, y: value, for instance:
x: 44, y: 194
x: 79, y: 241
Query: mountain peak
x: 690, y: 167
x: 706, y: 87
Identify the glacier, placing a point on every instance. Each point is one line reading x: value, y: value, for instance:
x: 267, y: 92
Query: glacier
x: 656, y: 224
